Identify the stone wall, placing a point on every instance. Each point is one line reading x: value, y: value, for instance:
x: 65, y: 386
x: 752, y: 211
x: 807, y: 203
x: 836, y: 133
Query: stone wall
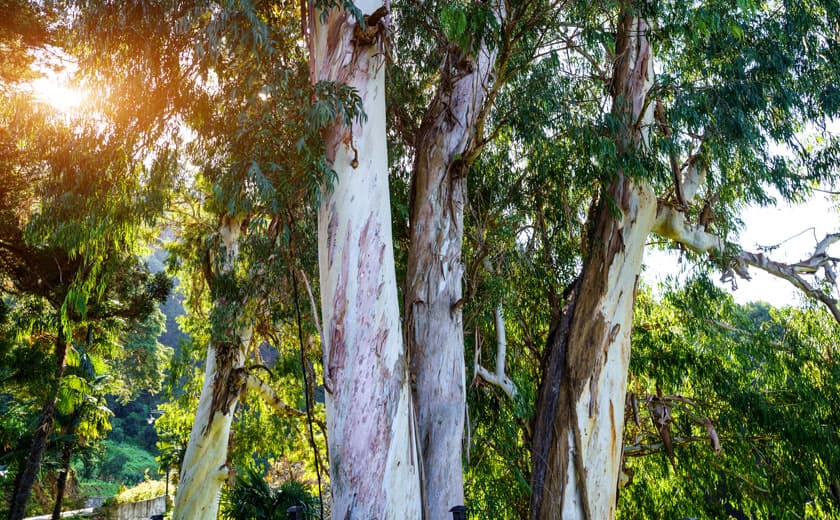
x: 133, y: 511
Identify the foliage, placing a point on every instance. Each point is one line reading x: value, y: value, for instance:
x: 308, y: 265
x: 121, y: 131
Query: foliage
x: 251, y: 498
x: 142, y: 491
x: 206, y: 109
x: 98, y: 488
x: 768, y: 380
x: 125, y: 463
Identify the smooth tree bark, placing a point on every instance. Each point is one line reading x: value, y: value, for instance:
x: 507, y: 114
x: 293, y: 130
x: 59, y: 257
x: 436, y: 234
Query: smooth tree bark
x: 205, y: 467
x: 374, y: 466
x: 27, y: 475
x: 445, y: 145
x: 577, y: 438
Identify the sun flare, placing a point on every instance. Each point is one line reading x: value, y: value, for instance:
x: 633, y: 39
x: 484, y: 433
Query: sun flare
x: 56, y: 92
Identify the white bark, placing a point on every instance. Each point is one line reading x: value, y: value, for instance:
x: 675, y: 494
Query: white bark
x: 578, y: 432
x: 694, y: 179
x: 445, y: 142
x: 600, y: 407
x: 498, y: 377
x: 374, y: 466
x: 671, y: 223
x: 269, y: 396
x: 205, y: 468
x: 577, y: 452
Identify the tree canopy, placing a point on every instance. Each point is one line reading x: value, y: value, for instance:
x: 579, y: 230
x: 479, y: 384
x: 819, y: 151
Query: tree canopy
x: 500, y: 346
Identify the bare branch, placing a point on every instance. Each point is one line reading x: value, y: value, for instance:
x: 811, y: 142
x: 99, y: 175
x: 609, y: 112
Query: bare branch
x: 498, y: 377
x: 792, y: 273
x: 694, y: 177
x: 324, y: 357
x: 255, y: 384
x: 671, y: 223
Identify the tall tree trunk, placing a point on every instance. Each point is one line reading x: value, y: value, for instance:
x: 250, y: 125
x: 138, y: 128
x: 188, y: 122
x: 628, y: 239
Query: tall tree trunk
x: 444, y: 145
x: 205, y: 467
x: 577, y: 443
x: 374, y: 469
x: 28, y: 474
x: 61, y: 484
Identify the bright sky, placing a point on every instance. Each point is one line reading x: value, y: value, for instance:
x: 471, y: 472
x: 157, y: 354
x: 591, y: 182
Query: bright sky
x: 58, y: 94
x: 765, y: 227
x: 54, y: 87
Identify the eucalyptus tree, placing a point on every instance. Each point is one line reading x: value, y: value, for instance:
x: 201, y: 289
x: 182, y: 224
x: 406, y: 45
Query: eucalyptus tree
x: 691, y: 114
x: 465, y: 50
x: 374, y: 470
x: 452, y: 61
x: 705, y: 115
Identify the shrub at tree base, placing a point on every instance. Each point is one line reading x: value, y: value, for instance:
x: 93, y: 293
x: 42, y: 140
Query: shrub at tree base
x: 251, y: 498
x: 142, y: 491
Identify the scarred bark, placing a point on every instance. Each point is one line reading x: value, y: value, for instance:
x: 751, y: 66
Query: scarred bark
x: 435, y: 332
x: 29, y: 472
x: 374, y: 467
x: 577, y: 433
x: 205, y: 467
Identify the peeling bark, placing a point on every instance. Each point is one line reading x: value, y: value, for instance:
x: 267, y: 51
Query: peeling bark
x: 205, y: 467
x: 374, y: 467
x: 577, y: 434
x: 444, y: 147
x: 577, y: 443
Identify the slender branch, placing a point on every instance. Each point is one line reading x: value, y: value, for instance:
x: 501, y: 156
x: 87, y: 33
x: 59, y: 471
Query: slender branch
x: 324, y: 358
x: 791, y: 273
x: 736, y: 330
x: 498, y: 377
x: 255, y: 384
x: 312, y: 303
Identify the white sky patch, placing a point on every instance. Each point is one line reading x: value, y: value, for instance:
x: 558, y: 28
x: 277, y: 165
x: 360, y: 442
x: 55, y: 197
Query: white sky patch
x: 55, y: 86
x: 795, y: 228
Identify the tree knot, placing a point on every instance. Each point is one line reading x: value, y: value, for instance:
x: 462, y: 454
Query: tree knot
x: 373, y: 27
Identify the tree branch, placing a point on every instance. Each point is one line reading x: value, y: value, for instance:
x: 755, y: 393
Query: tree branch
x: 498, y: 377
x: 255, y: 384
x: 671, y: 223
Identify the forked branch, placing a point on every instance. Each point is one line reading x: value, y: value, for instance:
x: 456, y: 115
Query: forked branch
x: 498, y: 378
